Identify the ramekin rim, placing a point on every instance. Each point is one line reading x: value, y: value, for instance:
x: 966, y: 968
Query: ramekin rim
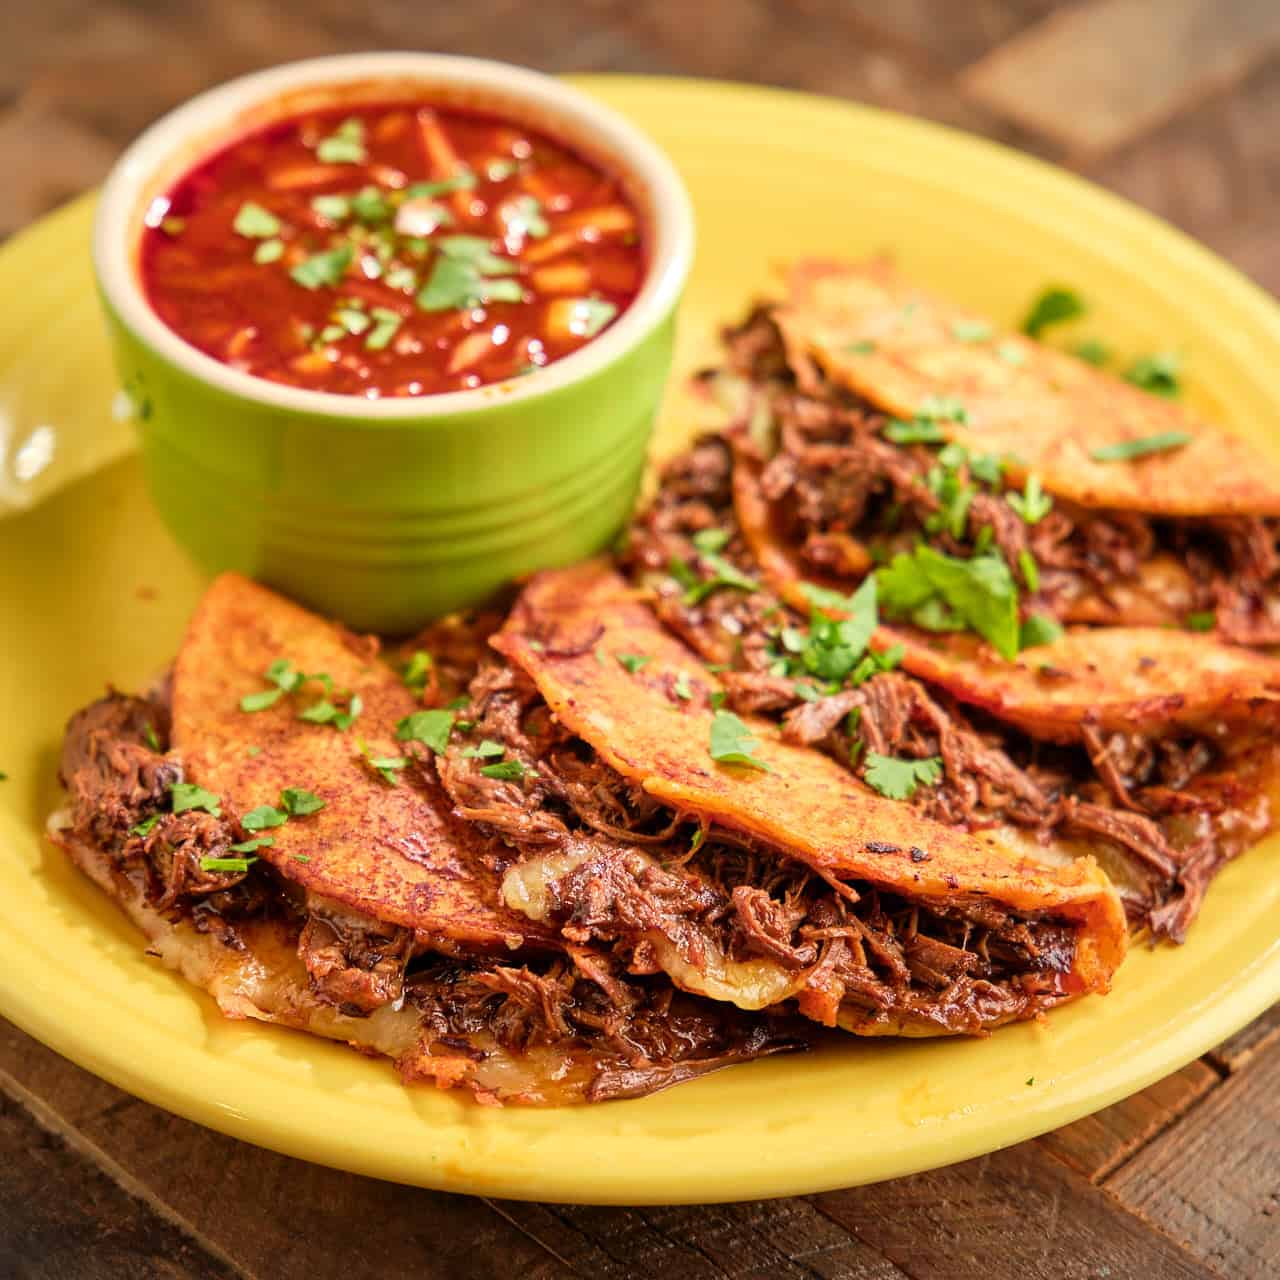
x: 671, y: 244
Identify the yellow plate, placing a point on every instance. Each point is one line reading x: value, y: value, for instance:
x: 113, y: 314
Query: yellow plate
x: 92, y: 589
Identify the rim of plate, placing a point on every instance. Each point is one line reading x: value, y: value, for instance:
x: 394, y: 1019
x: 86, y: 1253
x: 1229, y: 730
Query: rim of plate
x: 32, y: 994
x: 608, y: 136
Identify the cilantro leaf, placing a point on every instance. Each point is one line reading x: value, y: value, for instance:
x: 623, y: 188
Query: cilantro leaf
x: 463, y: 180
x: 186, y: 795
x: 1033, y: 504
x: 387, y: 325
x: 971, y: 331
x: 681, y: 686
x: 589, y: 316
x: 146, y: 826
x: 1039, y: 629
x: 980, y: 591
x: 1091, y: 351
x: 297, y: 802
x: 1125, y: 450
x: 524, y: 217
x: 255, y: 223
x: 732, y: 743
x: 1157, y: 373
x: 431, y: 728
x: 237, y: 865
x: 633, y: 662
x: 1030, y: 570
x: 332, y: 208
x: 325, y: 268
x: 269, y: 251
x: 921, y: 431
x: 415, y: 673
x: 1205, y: 621
x: 345, y: 145
x: 505, y: 770
x: 941, y: 409
x: 726, y: 573
x: 1055, y: 305
x: 898, y: 779
x: 711, y: 540
x: 262, y: 817
x: 250, y: 846
x: 485, y: 751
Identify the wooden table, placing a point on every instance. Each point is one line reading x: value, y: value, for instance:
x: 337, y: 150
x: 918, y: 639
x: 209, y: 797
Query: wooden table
x: 1175, y: 103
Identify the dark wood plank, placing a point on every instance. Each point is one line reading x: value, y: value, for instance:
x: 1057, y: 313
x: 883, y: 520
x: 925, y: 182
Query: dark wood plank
x: 1240, y: 1050
x: 63, y: 1219
x: 1216, y: 173
x: 274, y: 1217
x: 1212, y: 1181
x: 1016, y: 1213
x: 1123, y: 66
x: 1097, y: 1144
x: 787, y: 1239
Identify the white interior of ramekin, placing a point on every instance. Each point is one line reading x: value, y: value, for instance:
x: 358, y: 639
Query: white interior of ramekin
x: 179, y: 140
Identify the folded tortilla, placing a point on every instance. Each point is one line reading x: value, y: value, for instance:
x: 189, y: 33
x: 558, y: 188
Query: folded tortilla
x: 1131, y: 679
x: 896, y: 346
x: 802, y: 806
x: 377, y: 919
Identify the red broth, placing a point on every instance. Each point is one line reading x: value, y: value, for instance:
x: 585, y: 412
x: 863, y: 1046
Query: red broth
x: 392, y: 250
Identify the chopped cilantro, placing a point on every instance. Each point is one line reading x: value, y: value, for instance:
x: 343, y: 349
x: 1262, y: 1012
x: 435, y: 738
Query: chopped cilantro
x: 634, y: 661
x: 971, y: 331
x: 863, y: 347
x: 353, y: 321
x: 345, y: 145
x: 237, y: 865
x: 524, y: 217
x: 485, y: 751
x: 590, y: 315
x: 732, y: 743
x: 898, y: 779
x: 717, y: 698
x: 345, y: 719
x: 1091, y: 351
x: 1157, y: 373
x: 149, y: 733
x: 252, y: 846
x: 805, y: 692
x: 322, y: 712
x: 711, y: 540
x: 1030, y: 570
x: 262, y: 817
x: 415, y: 674
x: 269, y: 251
x: 1039, y: 629
x: 405, y: 278
x: 297, y: 803
x: 921, y: 431
x: 389, y: 767
x: 431, y: 728
x: 941, y: 409
x: 332, y: 208
x: 681, y: 686
x: 145, y: 827
x: 464, y: 180
x: 505, y: 770
x: 1205, y: 621
x: 980, y: 592
x: 457, y: 281
x: 300, y: 857
x: 726, y: 575
x: 1055, y: 305
x: 323, y: 268
x: 186, y: 795
x: 255, y: 223
x: 387, y: 325
x: 1124, y: 450
x: 370, y: 206
x: 1033, y: 504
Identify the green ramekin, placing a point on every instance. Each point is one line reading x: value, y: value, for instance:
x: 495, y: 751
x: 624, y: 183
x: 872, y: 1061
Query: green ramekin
x: 385, y: 513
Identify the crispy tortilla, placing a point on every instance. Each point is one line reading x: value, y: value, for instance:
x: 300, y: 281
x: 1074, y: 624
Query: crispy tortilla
x: 895, y: 345
x: 395, y: 853
x: 1133, y: 679
x: 806, y: 805
x: 252, y: 970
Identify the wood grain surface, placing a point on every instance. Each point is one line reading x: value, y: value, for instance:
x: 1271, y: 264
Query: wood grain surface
x: 1174, y: 103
